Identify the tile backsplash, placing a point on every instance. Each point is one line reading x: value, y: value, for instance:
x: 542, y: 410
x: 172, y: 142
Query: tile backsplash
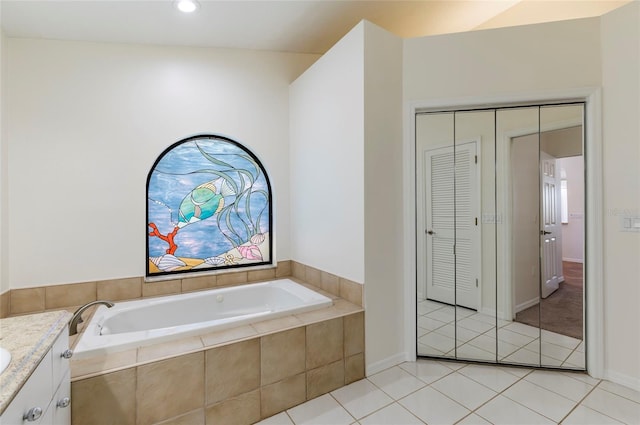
x: 71, y: 296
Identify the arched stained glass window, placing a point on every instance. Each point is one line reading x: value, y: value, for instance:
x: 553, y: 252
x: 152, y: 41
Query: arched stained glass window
x: 208, y: 208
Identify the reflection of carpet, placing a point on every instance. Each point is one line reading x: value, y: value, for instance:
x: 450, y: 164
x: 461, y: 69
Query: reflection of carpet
x: 560, y: 312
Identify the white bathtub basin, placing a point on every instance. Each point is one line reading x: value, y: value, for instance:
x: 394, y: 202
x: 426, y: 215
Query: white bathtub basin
x: 134, y: 324
x: 5, y: 359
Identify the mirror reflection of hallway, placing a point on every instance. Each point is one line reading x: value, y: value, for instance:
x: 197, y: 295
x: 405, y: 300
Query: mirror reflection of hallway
x: 529, y: 219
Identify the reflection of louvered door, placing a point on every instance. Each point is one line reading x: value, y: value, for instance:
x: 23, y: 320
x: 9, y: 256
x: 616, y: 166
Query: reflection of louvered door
x: 551, y: 247
x: 444, y: 268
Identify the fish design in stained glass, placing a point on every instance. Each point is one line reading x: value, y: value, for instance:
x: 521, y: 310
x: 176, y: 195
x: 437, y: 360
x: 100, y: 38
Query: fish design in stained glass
x: 208, y: 208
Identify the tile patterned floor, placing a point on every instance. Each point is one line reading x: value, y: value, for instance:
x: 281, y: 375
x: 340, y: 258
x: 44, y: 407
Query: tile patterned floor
x: 439, y: 392
x: 475, y: 338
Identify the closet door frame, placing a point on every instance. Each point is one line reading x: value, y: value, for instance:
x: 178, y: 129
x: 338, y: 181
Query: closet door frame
x: 594, y: 307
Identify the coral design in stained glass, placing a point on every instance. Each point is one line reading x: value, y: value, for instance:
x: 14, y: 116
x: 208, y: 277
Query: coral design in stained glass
x: 208, y: 208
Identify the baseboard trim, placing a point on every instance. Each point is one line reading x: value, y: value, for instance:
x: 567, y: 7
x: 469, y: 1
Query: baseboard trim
x: 525, y: 305
x: 383, y: 364
x: 622, y: 379
x: 573, y: 260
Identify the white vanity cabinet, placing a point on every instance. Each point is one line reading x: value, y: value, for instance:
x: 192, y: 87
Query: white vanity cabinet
x: 45, y: 398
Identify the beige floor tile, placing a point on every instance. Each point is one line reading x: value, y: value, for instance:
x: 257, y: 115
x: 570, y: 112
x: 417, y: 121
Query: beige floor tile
x: 540, y: 400
x: 396, y: 382
x: 613, y: 405
x: 361, y: 398
x: 322, y: 410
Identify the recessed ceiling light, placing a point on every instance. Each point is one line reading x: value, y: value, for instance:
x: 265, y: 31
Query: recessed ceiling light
x: 186, y: 6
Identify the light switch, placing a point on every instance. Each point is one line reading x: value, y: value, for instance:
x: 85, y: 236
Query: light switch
x: 630, y: 224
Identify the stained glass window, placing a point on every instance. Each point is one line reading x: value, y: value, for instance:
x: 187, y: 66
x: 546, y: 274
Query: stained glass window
x: 208, y: 208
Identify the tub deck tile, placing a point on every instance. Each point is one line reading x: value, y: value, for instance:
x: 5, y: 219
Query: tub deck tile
x: 339, y: 308
x: 169, y: 349
x: 102, y: 364
x: 228, y: 335
x: 276, y: 325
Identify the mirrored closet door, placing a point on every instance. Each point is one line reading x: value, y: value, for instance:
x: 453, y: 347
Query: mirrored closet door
x: 500, y: 235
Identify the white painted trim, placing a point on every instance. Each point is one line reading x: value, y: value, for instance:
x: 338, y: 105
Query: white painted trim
x: 379, y: 366
x: 409, y: 219
x: 594, y: 237
x: 622, y: 379
x: 593, y: 191
x: 525, y: 305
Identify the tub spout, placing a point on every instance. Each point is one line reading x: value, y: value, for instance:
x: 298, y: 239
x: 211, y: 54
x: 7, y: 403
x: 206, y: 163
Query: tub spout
x: 77, y: 316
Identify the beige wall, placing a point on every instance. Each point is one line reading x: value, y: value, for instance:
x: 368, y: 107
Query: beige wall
x: 86, y: 123
x: 620, y: 40
x: 538, y: 59
x: 525, y: 199
x: 573, y: 231
x: 562, y: 143
x: 4, y: 170
x: 383, y: 222
x: 327, y: 160
x: 527, y: 59
x: 346, y: 176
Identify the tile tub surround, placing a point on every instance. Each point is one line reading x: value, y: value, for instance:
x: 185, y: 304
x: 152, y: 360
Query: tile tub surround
x: 28, y: 338
x: 235, y: 376
x: 70, y: 296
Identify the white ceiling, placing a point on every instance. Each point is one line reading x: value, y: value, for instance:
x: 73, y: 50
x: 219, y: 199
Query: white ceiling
x: 305, y: 26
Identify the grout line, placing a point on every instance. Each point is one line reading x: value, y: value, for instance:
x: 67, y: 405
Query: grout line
x: 580, y: 404
x: 347, y: 410
x: 616, y: 394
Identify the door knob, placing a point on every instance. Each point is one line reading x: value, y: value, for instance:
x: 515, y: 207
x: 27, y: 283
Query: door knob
x: 544, y: 232
x: 431, y: 232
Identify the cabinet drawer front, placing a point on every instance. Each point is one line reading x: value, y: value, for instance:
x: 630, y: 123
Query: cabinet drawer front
x: 36, y: 392
x: 61, y: 403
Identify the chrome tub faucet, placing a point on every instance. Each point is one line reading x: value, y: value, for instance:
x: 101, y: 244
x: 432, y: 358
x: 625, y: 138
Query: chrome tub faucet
x: 77, y: 316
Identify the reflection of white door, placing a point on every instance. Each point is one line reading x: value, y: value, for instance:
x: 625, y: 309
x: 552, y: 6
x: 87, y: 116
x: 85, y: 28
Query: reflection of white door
x: 550, y: 243
x: 452, y: 246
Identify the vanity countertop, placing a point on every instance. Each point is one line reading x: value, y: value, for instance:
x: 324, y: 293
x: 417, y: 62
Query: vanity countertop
x: 28, y: 338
